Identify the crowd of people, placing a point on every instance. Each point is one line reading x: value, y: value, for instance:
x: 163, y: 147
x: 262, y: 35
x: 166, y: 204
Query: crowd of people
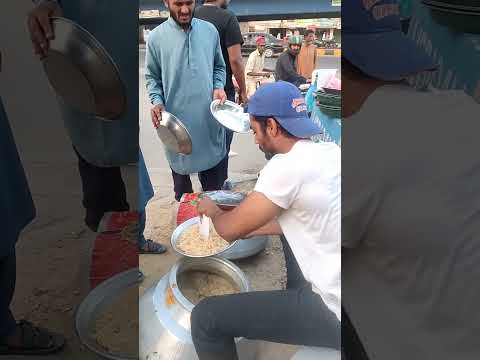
x: 203, y: 46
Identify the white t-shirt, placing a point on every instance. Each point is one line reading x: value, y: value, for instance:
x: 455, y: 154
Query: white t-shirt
x: 306, y: 182
x: 411, y: 224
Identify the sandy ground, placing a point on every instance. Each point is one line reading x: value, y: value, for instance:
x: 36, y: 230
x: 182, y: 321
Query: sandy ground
x: 53, y: 258
x: 53, y: 253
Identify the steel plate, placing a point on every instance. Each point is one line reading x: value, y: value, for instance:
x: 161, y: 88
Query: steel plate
x: 231, y: 116
x: 82, y: 73
x: 174, y: 135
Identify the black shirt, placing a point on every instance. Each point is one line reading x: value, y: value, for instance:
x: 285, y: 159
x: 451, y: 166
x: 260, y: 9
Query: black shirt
x: 229, y: 30
x: 287, y: 71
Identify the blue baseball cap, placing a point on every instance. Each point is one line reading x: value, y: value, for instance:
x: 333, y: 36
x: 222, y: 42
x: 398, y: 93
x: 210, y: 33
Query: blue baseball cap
x: 284, y: 101
x: 373, y: 41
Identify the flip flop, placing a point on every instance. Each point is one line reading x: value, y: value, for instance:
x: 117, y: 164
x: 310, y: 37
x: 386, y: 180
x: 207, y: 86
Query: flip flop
x: 35, y: 341
x: 151, y: 247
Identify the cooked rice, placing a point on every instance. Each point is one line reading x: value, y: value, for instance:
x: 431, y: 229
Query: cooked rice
x: 191, y: 242
x: 197, y: 285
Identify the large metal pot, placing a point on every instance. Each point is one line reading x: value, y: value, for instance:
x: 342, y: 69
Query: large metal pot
x: 164, y: 313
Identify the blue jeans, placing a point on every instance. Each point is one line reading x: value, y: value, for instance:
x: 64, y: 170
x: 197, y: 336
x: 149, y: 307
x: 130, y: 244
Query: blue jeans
x: 145, y: 193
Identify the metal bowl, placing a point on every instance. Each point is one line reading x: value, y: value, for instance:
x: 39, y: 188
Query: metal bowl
x: 174, y: 134
x: 96, y: 301
x: 332, y: 92
x: 225, y: 199
x: 231, y: 115
x: 184, y: 226
x: 82, y: 73
x: 243, y: 248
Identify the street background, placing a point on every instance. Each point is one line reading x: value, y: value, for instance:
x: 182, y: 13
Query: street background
x: 247, y: 161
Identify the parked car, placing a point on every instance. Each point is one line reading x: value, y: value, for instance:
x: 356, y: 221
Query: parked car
x: 272, y: 44
x: 327, y: 44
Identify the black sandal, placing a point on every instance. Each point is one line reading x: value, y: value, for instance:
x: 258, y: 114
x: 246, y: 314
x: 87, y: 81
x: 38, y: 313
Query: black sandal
x: 34, y: 341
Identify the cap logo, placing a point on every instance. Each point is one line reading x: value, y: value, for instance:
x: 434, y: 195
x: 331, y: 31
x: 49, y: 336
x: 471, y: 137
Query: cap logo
x: 368, y: 4
x: 299, y: 105
x: 382, y: 11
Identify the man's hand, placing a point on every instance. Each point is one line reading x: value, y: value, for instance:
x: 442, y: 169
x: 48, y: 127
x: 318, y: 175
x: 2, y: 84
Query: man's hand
x: 40, y: 27
x: 242, y: 98
x: 156, y: 113
x: 207, y: 206
x: 219, y: 94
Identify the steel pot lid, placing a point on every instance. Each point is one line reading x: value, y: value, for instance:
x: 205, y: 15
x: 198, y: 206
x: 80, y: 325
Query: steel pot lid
x: 231, y: 115
x: 82, y: 73
x: 174, y: 135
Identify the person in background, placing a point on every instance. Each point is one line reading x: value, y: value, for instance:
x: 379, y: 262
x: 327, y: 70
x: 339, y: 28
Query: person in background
x: 254, y: 70
x: 101, y: 147
x: 307, y: 58
x: 286, y: 68
x: 231, y: 40
x: 298, y: 194
x: 17, y: 210
x: 457, y: 51
x: 183, y: 77
x: 145, y: 193
x: 411, y: 210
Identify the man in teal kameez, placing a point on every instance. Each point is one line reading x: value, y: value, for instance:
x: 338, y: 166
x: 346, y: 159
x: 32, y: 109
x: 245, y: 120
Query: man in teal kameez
x: 185, y: 71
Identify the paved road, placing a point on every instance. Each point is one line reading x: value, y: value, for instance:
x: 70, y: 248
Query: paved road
x: 249, y: 159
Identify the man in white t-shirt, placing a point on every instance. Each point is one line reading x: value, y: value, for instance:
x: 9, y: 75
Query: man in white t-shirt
x: 411, y: 200
x: 298, y: 194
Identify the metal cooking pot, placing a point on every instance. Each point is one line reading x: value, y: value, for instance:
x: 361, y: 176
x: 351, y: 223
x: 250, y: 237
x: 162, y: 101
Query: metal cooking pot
x: 82, y: 73
x: 174, y: 134
x: 164, y: 313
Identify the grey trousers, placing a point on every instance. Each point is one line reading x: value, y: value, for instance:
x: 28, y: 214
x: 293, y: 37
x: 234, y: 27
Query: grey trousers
x: 295, y: 316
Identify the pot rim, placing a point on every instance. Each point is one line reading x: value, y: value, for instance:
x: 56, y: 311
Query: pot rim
x: 176, y: 270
